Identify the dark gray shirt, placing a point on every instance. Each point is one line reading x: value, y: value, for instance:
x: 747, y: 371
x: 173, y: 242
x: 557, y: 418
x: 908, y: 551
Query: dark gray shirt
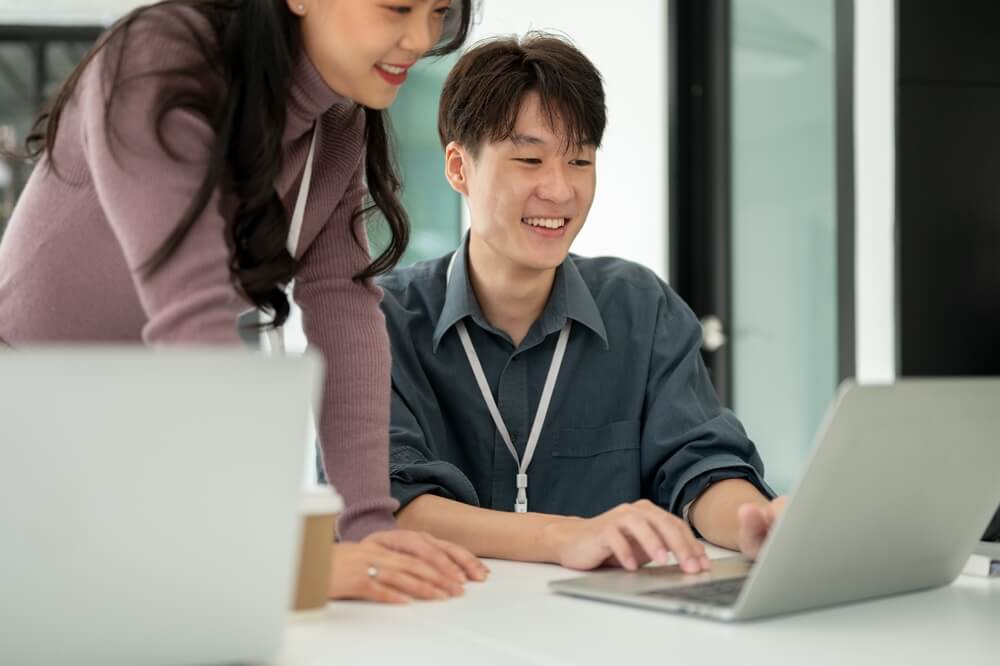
x: 633, y: 414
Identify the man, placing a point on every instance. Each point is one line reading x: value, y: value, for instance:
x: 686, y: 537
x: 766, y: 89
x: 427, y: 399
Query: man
x: 548, y: 407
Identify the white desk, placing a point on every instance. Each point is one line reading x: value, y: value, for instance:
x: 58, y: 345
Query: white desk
x: 513, y: 619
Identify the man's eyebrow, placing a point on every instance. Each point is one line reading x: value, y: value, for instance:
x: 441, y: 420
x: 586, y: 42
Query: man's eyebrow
x: 519, y: 139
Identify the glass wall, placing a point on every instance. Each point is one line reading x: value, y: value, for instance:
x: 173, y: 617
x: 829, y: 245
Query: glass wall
x: 434, y: 208
x: 784, y: 244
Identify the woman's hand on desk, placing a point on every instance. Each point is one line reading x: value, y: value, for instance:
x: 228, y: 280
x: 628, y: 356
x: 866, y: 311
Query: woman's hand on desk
x: 407, y: 565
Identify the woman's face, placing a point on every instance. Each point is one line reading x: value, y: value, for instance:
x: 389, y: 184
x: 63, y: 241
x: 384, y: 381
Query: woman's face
x: 363, y: 48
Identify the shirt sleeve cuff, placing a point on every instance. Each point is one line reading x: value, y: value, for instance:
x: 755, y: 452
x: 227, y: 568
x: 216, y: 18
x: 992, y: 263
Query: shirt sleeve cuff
x: 695, y: 487
x: 712, y: 470
x: 410, y: 481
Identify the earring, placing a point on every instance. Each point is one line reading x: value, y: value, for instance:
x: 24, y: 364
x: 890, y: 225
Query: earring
x: 300, y: 8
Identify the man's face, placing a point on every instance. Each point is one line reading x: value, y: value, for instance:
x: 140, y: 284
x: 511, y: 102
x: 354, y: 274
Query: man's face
x: 529, y: 195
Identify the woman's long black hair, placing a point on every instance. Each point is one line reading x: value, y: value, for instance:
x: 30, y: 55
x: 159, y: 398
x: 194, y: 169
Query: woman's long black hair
x: 256, y: 46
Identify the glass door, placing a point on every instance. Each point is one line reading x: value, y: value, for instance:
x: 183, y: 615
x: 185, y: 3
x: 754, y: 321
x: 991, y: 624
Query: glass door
x: 762, y: 208
x: 783, y: 328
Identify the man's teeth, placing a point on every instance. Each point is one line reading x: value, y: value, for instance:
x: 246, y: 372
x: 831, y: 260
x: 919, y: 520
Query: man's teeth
x: 547, y: 222
x: 391, y: 69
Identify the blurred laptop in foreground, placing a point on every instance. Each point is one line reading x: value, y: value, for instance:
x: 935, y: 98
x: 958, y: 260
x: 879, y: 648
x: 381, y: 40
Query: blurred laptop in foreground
x: 149, y: 504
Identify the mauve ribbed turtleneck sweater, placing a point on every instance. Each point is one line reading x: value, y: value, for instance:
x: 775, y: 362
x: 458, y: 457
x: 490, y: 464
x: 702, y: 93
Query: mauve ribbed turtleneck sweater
x: 70, y: 257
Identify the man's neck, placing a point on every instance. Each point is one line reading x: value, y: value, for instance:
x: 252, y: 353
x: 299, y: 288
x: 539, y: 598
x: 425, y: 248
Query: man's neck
x: 512, y: 297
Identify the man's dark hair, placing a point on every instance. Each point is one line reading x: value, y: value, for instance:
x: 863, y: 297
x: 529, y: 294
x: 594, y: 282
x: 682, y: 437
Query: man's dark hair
x: 484, y: 91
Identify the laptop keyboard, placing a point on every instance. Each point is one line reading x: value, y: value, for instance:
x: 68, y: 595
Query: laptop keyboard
x: 715, y: 593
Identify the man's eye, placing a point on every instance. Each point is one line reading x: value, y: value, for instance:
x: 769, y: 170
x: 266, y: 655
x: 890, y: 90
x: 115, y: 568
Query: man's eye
x: 581, y: 163
x: 528, y: 160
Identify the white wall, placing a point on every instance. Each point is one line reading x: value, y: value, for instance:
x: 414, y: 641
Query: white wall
x: 626, y: 40
x: 874, y: 108
x: 65, y: 12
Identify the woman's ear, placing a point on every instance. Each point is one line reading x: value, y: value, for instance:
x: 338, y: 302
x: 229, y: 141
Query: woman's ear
x: 297, y: 7
x: 456, y: 163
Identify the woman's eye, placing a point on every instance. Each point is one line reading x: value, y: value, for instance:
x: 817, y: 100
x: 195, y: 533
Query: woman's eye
x: 399, y: 9
x: 528, y: 160
x: 581, y: 163
x: 443, y: 11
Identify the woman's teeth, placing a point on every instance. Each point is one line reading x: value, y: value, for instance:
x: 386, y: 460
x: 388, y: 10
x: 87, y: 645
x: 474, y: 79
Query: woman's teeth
x: 391, y: 68
x: 547, y: 222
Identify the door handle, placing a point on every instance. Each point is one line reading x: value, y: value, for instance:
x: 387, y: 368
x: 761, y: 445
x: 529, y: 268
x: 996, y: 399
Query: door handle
x: 713, y: 333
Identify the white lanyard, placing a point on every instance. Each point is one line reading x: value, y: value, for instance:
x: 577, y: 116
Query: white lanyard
x: 276, y: 336
x: 521, y: 503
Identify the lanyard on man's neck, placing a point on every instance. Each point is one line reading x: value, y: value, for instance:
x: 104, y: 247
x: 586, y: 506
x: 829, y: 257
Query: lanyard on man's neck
x: 521, y: 480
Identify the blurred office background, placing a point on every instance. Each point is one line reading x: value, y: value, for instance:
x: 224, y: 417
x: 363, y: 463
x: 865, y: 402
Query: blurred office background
x: 822, y: 198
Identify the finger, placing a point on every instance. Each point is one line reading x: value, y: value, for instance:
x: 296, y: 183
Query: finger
x: 615, y: 540
x: 420, y: 569
x: 641, y: 558
x: 402, y: 581
x: 452, y: 559
x: 383, y: 594
x: 648, y: 539
x: 471, y: 565
x: 681, y: 541
x: 753, y: 528
x: 756, y: 519
x: 424, y: 547
x: 663, y: 520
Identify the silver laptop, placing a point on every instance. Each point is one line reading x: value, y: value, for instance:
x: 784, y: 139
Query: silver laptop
x: 900, y: 484
x: 148, y: 504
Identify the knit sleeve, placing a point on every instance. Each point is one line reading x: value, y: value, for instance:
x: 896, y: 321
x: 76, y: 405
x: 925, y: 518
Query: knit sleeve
x: 147, y: 171
x: 343, y: 320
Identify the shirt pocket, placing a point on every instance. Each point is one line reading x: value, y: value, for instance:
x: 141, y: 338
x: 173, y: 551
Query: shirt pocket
x: 589, y: 442
x: 594, y: 469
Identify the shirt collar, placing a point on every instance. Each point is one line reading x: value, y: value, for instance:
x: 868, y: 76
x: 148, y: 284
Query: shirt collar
x: 570, y: 299
x: 459, y: 299
x: 580, y: 304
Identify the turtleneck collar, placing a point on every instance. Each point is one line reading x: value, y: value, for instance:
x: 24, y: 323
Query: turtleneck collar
x: 309, y: 97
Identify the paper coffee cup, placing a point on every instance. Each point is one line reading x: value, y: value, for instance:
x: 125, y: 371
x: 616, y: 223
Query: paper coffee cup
x: 319, y: 510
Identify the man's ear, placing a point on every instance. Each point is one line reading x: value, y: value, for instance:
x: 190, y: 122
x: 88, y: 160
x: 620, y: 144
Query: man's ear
x: 456, y: 167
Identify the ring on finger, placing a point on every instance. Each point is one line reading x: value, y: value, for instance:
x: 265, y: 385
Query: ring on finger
x: 373, y: 572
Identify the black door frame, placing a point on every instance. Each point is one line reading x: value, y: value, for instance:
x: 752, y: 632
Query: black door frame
x: 698, y: 36
x: 37, y: 38
x: 700, y: 236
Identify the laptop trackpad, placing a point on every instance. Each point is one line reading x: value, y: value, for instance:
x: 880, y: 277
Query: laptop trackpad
x: 651, y: 578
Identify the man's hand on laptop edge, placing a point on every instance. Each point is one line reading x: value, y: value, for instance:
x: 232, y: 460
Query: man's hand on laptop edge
x: 734, y: 514
x: 756, y: 520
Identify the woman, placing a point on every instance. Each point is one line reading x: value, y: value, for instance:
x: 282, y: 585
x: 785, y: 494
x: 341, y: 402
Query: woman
x: 171, y: 163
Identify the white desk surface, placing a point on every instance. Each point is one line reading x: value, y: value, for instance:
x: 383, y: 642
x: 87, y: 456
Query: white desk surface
x: 514, y: 619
